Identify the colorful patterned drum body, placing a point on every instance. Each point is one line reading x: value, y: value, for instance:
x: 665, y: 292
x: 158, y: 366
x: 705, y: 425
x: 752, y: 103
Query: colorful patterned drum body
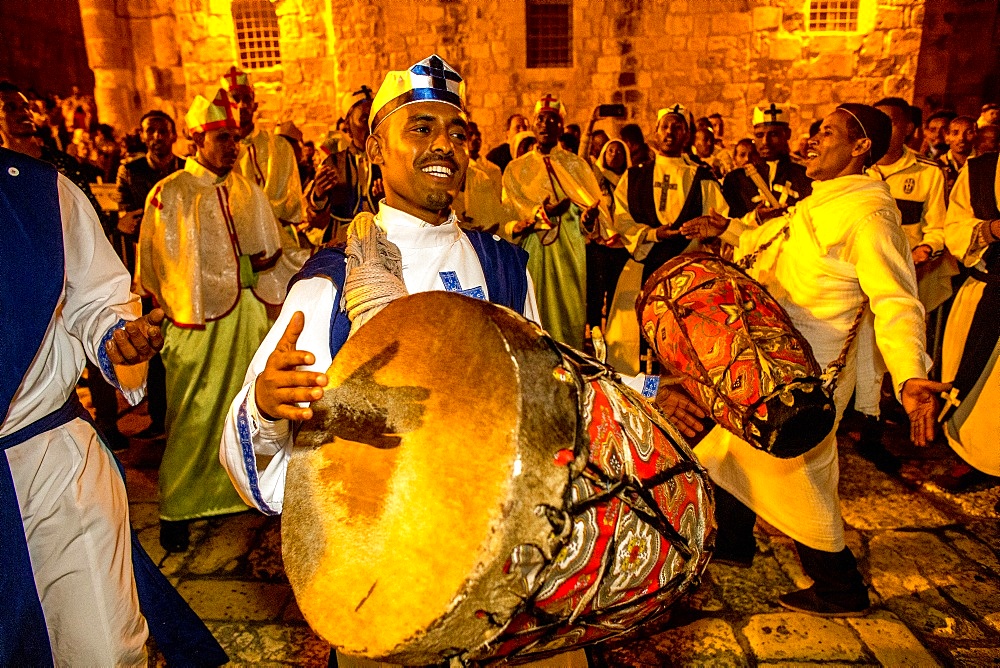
x: 738, y: 353
x: 470, y: 489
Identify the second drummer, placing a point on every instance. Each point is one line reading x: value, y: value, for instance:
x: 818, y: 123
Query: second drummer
x: 837, y: 250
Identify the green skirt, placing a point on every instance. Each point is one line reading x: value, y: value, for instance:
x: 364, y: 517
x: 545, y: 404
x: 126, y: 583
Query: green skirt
x: 559, y: 273
x: 205, y: 371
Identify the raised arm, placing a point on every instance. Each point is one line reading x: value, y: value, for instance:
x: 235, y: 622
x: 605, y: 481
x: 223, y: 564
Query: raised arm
x: 99, y: 301
x: 285, y: 374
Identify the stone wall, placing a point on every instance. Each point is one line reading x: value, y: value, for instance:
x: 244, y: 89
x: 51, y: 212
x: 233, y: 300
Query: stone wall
x: 720, y: 56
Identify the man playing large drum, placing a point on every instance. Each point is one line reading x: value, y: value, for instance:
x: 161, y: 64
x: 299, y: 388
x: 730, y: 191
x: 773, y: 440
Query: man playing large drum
x: 419, y: 141
x: 822, y: 261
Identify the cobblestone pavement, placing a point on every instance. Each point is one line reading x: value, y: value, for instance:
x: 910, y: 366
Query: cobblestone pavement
x: 931, y: 558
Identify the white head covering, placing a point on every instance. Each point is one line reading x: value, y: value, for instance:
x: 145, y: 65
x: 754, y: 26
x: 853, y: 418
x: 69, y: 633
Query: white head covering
x: 772, y: 114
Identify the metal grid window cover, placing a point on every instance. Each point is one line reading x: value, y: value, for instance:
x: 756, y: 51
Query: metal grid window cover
x: 833, y: 15
x: 257, y: 34
x: 549, y: 33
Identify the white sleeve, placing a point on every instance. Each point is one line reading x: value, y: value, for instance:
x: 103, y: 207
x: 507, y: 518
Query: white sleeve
x: 934, y: 214
x: 530, y: 305
x: 644, y: 384
x: 961, y: 227
x: 634, y: 234
x: 711, y: 197
x: 247, y: 435
x: 98, y: 295
x: 880, y: 252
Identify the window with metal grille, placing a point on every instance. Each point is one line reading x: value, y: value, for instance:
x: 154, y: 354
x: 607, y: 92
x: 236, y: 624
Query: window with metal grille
x: 256, y: 34
x: 549, y: 32
x: 833, y: 15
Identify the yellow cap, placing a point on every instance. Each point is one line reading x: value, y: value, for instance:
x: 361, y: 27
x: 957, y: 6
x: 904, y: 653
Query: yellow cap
x: 550, y: 102
x: 772, y: 114
x: 676, y: 109
x: 204, y: 115
x: 235, y: 78
x: 430, y: 80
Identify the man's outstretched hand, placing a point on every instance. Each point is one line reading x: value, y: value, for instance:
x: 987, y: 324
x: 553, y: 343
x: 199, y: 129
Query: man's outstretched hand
x: 919, y: 398
x: 280, y: 387
x: 138, y: 341
x: 705, y: 227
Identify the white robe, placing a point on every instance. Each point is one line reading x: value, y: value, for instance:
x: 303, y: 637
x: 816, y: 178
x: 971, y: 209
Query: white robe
x: 426, y: 250
x: 844, y: 243
x: 480, y: 204
x: 195, y: 229
x: 269, y: 161
x: 972, y: 431
x: 72, y: 498
x: 623, y: 326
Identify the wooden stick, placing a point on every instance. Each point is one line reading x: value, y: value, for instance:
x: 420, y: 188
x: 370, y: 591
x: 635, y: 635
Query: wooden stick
x: 761, y: 184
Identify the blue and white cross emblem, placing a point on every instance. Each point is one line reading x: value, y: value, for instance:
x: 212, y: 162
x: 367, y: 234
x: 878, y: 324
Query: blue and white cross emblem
x: 452, y: 284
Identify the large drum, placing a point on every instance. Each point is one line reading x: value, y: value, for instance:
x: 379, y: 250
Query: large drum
x: 470, y: 489
x: 737, y: 352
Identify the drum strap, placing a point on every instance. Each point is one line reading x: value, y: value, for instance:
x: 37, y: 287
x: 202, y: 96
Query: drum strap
x: 831, y: 374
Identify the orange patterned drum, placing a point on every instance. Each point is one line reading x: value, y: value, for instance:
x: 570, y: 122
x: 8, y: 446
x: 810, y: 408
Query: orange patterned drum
x: 738, y: 353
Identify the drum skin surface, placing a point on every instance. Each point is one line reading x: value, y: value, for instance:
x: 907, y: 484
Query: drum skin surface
x: 737, y: 352
x: 468, y: 489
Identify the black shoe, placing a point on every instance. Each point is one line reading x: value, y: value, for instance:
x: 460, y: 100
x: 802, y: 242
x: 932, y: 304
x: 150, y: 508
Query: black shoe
x: 808, y: 601
x: 732, y: 559
x: 870, y: 447
x: 174, y: 536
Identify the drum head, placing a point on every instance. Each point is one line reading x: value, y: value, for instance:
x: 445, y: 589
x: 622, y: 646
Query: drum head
x: 398, y: 485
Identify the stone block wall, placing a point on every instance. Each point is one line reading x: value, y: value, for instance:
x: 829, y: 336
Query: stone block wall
x: 721, y: 56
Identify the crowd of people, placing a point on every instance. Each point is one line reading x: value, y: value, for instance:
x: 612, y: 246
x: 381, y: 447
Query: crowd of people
x: 874, y: 210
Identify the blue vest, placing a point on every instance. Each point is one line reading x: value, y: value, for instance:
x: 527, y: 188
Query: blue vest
x: 32, y: 268
x: 504, y: 267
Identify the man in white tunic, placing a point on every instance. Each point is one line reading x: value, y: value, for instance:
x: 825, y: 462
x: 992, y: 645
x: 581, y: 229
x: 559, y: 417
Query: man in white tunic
x: 822, y: 260
x: 76, y: 585
x: 651, y: 203
x: 264, y: 158
x: 558, y: 191
x: 418, y: 139
x: 210, y: 254
x: 972, y: 337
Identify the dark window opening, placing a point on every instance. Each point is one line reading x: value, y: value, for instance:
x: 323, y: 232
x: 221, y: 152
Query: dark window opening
x: 256, y: 34
x: 549, y: 33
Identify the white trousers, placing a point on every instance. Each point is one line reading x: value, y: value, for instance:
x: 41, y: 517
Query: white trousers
x: 75, y: 514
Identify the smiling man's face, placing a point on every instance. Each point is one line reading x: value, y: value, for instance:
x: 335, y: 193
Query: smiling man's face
x: 423, y: 153
x: 832, y: 152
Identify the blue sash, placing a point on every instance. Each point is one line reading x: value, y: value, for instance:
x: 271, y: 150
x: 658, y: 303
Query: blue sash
x: 503, y: 266
x: 31, y: 264
x: 32, y: 267
x: 31, y: 280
